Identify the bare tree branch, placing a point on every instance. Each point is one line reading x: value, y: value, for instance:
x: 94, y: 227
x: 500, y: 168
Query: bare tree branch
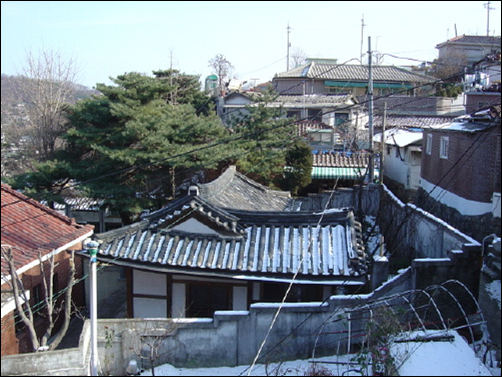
x: 222, y: 68
x: 26, y: 310
x: 48, y: 85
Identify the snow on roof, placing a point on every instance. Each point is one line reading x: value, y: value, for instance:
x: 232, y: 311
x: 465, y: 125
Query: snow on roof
x: 399, y: 137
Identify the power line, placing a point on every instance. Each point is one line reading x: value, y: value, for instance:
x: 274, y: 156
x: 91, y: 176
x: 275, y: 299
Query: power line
x: 244, y: 136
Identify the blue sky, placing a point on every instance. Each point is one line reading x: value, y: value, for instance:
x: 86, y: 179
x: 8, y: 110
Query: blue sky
x: 110, y: 38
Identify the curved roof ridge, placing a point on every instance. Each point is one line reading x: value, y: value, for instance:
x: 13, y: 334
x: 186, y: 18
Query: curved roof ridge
x: 235, y: 190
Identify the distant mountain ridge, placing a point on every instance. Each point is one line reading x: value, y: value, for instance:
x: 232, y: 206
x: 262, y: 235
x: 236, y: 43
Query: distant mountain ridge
x: 12, y: 96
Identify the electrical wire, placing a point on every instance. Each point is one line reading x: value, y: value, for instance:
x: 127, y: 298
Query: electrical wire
x: 233, y: 140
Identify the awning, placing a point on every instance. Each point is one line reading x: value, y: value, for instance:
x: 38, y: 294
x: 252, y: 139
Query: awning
x: 324, y: 172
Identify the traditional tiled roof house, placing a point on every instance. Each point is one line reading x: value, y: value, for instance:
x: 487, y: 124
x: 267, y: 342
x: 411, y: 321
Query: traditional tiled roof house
x: 230, y: 243
x: 328, y: 78
x: 33, y: 233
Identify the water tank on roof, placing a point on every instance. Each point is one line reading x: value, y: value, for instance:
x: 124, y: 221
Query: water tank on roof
x: 211, y: 83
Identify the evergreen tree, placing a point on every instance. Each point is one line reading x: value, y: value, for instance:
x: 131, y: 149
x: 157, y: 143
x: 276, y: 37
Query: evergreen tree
x: 266, y: 137
x: 136, y: 141
x: 298, y: 172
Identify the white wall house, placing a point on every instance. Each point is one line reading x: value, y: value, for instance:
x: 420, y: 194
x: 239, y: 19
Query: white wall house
x: 472, y: 48
x: 402, y: 156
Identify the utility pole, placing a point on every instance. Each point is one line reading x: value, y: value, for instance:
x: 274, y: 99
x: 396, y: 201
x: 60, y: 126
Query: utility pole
x: 362, y: 33
x: 93, y: 251
x: 488, y: 9
x: 382, y: 146
x: 289, y: 45
x: 370, y: 110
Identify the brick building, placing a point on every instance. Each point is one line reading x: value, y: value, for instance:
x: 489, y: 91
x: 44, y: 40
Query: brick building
x: 32, y: 232
x: 461, y: 164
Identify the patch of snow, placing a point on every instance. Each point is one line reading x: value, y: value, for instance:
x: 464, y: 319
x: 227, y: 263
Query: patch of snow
x: 429, y: 358
x: 287, y: 368
x: 231, y: 312
x: 416, y: 358
x: 290, y: 305
x: 493, y: 290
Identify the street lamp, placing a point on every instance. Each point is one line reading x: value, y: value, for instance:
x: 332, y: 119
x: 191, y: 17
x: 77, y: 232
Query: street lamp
x: 92, y: 246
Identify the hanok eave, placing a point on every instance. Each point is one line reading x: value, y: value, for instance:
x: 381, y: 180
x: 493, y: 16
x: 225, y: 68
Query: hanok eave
x: 236, y: 256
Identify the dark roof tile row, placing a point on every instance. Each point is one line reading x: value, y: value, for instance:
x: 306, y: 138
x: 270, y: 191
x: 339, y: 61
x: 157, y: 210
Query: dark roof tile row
x: 351, y: 72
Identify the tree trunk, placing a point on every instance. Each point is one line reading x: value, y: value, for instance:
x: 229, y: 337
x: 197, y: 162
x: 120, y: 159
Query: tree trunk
x: 67, y: 304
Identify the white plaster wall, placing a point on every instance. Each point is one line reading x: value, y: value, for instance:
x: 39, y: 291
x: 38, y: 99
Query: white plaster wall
x: 240, y: 298
x: 464, y: 206
x: 149, y: 307
x: 415, y: 171
x: 394, y: 168
x: 194, y: 226
x: 149, y: 283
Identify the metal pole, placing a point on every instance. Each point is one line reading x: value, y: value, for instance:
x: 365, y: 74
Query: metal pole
x: 370, y: 110
x: 382, y: 153
x: 289, y: 45
x: 93, y: 250
x: 362, y: 33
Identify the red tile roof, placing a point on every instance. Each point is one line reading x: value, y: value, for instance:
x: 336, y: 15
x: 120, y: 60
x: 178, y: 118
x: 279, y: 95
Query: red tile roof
x: 341, y: 160
x: 302, y: 126
x: 32, y: 228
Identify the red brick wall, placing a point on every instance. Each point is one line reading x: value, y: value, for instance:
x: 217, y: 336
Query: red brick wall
x: 9, y: 341
x: 472, y: 169
x: 30, y: 279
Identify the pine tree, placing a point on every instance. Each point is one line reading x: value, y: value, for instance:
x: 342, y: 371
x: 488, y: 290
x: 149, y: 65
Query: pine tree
x: 136, y: 141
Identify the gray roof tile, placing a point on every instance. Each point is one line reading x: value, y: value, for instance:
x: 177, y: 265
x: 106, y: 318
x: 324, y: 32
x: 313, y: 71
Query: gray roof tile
x: 239, y: 241
x: 234, y: 190
x: 412, y: 121
x: 355, y: 73
x: 473, y: 39
x: 320, y: 244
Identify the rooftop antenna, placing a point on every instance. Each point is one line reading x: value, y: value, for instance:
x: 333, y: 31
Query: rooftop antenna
x: 362, y: 33
x: 289, y: 45
x: 488, y: 9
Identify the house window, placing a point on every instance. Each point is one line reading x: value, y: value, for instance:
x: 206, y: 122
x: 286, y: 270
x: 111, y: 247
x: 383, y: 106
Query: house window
x: 274, y: 292
x: 321, y: 139
x: 443, y: 152
x: 315, y: 115
x: 205, y: 299
x: 296, y: 114
x: 341, y: 118
x: 482, y: 105
x: 428, y: 146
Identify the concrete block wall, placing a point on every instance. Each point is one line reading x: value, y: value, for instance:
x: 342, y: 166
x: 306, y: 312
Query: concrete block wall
x: 68, y: 362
